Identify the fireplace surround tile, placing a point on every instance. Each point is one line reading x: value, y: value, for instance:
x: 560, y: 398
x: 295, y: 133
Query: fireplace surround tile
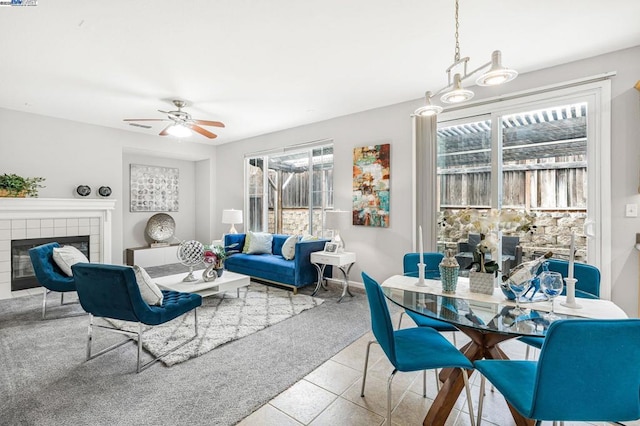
x: 50, y: 218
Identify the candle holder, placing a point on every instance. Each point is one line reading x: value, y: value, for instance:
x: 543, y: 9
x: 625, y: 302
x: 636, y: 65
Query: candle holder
x: 570, y: 301
x: 420, y: 282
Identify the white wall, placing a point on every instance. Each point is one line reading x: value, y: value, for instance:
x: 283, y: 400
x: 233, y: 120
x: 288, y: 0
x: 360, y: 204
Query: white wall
x: 379, y: 250
x: 134, y: 223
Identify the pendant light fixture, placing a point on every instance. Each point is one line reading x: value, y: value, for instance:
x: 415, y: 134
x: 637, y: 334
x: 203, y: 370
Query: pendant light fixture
x: 454, y: 92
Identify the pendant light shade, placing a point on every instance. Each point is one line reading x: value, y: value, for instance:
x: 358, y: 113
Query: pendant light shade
x: 497, y: 74
x: 458, y: 94
x: 428, y: 109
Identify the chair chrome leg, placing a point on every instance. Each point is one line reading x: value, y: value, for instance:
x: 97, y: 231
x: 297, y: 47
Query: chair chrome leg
x: 366, y: 363
x: 139, y: 345
x: 435, y: 370
x: 424, y: 383
x: 465, y: 376
x: 526, y: 352
x: 44, y: 300
x: 400, y: 320
x: 481, y: 399
x: 389, y: 380
x: 89, y: 336
x: 454, y: 339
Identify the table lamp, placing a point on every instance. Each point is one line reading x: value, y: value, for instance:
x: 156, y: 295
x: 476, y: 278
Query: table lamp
x: 231, y: 216
x: 335, y: 219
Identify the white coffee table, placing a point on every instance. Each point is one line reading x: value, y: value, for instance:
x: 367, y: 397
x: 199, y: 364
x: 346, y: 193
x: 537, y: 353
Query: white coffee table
x: 228, y: 281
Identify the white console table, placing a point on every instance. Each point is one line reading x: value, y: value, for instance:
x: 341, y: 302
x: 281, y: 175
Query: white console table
x: 343, y: 261
x: 152, y: 256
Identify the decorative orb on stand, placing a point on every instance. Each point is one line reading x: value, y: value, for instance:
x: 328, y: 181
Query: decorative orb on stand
x: 191, y: 253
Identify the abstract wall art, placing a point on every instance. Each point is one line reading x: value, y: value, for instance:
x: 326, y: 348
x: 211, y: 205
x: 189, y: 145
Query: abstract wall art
x: 153, y: 188
x: 371, y: 185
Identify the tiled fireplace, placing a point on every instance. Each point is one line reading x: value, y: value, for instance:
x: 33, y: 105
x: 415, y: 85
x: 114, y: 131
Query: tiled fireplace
x: 41, y: 218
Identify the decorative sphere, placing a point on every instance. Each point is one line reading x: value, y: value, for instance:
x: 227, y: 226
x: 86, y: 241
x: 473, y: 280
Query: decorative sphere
x: 191, y: 253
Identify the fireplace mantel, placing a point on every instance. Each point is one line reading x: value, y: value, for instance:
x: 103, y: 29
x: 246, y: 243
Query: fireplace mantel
x: 23, y: 208
x: 22, y: 218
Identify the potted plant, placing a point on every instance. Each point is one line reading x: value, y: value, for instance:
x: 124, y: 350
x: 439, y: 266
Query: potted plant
x: 17, y: 186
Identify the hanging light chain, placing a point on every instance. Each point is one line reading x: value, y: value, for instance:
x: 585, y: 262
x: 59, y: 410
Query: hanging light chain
x: 457, y: 51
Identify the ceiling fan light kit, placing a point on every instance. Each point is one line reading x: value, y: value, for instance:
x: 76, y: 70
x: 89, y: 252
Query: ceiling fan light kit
x: 454, y: 92
x: 181, y: 123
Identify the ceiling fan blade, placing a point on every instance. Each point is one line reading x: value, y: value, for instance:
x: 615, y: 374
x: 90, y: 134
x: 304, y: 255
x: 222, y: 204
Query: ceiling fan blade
x: 164, y: 131
x: 145, y: 119
x: 208, y: 123
x: 202, y: 131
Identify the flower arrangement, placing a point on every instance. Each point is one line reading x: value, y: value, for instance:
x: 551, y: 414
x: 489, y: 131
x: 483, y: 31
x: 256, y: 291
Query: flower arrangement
x: 215, y: 254
x: 488, y: 223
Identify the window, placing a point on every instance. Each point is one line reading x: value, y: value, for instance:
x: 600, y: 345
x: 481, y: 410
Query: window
x: 546, y: 153
x: 543, y: 172
x: 293, y: 193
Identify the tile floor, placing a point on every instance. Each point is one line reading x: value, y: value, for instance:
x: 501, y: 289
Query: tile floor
x: 330, y: 395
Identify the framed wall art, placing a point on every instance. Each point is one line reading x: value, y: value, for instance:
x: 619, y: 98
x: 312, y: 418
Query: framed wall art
x: 153, y: 188
x: 371, y: 185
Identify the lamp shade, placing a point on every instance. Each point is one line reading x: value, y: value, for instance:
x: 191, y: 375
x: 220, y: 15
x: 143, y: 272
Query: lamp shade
x: 231, y: 216
x: 335, y: 219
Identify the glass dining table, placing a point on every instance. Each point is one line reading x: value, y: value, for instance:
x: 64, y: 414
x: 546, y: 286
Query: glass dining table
x: 487, y: 320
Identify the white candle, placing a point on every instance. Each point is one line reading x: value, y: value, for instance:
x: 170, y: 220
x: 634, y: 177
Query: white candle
x: 572, y: 250
x: 420, y: 244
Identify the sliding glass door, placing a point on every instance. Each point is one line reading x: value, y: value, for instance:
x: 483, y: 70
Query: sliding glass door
x: 531, y: 160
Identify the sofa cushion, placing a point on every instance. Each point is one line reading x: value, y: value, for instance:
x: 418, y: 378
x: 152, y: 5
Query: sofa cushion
x: 267, y: 266
x: 289, y: 247
x: 258, y: 243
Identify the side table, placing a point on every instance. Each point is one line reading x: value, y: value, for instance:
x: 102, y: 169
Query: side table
x: 343, y: 261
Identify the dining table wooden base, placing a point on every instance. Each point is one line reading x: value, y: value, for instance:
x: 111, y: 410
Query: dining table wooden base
x: 483, y: 345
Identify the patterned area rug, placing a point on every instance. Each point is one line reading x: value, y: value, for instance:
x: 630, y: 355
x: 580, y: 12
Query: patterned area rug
x: 221, y: 319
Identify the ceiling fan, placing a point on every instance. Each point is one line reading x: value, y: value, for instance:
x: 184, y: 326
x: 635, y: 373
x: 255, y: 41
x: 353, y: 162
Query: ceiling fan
x: 181, y: 122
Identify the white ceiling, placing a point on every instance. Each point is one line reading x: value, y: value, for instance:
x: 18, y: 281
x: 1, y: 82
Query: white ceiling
x: 262, y: 66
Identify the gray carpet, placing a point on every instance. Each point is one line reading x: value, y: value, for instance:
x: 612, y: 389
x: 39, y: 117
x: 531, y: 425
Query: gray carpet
x: 45, y: 380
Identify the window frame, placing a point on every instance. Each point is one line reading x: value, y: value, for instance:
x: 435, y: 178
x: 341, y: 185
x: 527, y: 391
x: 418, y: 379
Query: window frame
x: 596, y: 91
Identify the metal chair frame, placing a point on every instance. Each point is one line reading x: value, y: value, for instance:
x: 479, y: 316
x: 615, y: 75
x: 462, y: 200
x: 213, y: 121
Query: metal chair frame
x: 133, y: 335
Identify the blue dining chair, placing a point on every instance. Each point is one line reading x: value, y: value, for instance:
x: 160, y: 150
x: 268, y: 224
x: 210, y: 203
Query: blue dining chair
x: 587, y: 287
x: 409, y: 349
x: 410, y: 265
x: 587, y: 371
x: 48, y: 274
x: 111, y: 291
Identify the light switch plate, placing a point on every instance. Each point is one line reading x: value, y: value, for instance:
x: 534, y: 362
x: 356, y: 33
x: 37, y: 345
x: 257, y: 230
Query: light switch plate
x: 631, y: 210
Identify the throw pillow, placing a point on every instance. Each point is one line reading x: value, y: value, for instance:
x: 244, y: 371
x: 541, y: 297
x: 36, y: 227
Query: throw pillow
x: 247, y: 242
x: 66, y: 256
x: 149, y: 290
x: 289, y: 247
x: 308, y: 237
x: 259, y: 243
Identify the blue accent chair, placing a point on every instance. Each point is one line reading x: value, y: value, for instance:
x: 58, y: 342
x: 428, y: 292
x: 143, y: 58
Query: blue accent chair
x: 587, y: 287
x: 48, y: 274
x: 410, y: 266
x: 410, y: 349
x: 586, y: 372
x: 111, y: 291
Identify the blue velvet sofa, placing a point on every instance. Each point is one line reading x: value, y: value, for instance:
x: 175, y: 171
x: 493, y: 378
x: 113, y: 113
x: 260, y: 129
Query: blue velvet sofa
x: 274, y: 268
